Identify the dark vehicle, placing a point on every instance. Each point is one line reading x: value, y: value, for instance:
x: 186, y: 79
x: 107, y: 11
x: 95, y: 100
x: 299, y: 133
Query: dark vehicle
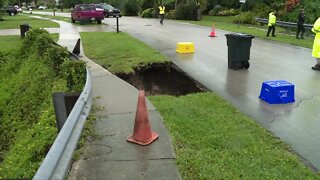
x: 108, y: 10
x: 12, y: 11
x: 86, y: 12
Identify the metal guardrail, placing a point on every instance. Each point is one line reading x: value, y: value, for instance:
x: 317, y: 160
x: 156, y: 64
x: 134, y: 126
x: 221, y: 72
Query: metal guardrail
x: 57, y: 162
x: 288, y: 25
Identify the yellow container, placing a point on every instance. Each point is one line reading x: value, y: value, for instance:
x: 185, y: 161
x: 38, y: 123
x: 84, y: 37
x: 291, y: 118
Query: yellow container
x: 185, y: 47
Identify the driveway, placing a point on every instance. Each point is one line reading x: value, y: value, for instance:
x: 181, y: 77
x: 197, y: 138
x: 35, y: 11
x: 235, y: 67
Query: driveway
x: 296, y: 123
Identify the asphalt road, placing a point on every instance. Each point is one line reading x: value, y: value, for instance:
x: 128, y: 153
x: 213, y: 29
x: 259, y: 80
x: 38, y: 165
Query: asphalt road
x: 295, y: 123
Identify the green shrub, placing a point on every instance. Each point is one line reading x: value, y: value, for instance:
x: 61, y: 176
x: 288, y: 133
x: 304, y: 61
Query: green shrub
x: 27, y: 90
x: 245, y: 18
x: 147, y: 4
x: 27, y: 82
x: 148, y: 13
x: 188, y: 11
x: 215, y: 10
x: 4, y: 57
x: 262, y: 11
x: 312, y: 12
x: 170, y: 5
x: 228, y: 12
x: 42, y: 43
x: 75, y: 74
x: 30, y: 40
x: 56, y: 55
x: 171, y: 14
x: 132, y: 7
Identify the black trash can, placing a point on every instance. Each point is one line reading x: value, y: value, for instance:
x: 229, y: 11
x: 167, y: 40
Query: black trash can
x: 238, y: 50
x: 23, y: 29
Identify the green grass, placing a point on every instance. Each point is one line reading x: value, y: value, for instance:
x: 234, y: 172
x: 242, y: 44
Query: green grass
x: 65, y: 10
x: 213, y: 140
x: 12, y: 43
x: 119, y: 53
x: 27, y: 82
x: 226, y: 23
x: 13, y: 22
x: 68, y: 19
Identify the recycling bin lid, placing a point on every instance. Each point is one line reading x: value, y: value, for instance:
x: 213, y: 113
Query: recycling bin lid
x: 239, y: 35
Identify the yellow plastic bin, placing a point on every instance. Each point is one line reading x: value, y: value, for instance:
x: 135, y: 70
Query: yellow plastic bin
x: 185, y: 47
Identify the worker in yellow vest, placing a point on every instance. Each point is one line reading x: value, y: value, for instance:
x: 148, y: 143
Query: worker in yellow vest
x: 316, y: 44
x: 161, y: 13
x: 272, y: 24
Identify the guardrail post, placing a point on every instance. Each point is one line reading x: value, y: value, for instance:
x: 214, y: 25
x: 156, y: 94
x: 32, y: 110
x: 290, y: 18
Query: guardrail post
x: 63, y: 104
x: 76, y: 49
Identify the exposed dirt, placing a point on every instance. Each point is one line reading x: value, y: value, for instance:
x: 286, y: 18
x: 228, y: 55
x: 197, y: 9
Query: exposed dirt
x: 162, y: 79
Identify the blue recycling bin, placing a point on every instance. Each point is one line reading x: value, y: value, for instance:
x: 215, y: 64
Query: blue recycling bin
x: 277, y: 92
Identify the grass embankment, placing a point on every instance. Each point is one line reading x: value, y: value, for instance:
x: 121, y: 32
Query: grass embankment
x: 226, y: 23
x: 119, y: 53
x: 13, y: 22
x: 27, y: 81
x: 212, y: 140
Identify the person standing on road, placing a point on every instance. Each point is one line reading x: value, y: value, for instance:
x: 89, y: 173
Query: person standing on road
x: 272, y: 24
x: 161, y: 13
x: 301, y: 29
x: 316, y: 44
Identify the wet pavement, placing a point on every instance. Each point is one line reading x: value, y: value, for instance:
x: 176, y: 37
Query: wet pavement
x: 295, y: 123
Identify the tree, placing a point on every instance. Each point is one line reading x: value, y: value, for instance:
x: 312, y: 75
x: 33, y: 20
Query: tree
x: 2, y: 3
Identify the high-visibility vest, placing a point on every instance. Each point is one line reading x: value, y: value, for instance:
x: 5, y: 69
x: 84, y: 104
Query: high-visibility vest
x: 272, y: 19
x: 161, y: 8
x: 316, y: 43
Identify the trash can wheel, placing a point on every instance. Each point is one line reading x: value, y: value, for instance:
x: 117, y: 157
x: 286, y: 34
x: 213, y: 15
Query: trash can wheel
x: 246, y: 64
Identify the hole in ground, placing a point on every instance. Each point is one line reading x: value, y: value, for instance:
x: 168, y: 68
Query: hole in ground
x: 164, y: 78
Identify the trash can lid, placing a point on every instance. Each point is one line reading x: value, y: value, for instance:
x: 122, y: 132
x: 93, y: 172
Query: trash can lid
x: 240, y: 35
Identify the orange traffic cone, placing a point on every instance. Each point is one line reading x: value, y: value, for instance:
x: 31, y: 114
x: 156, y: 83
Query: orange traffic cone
x: 213, y: 31
x: 142, y: 133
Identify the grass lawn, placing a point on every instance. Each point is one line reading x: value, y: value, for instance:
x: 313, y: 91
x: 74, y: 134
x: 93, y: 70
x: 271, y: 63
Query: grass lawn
x: 226, y: 23
x: 12, y: 43
x: 65, y: 10
x: 68, y: 19
x: 13, y: 22
x: 213, y: 140
x: 119, y: 52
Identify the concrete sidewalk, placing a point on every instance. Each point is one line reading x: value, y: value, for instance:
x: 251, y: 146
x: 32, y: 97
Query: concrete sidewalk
x: 110, y: 156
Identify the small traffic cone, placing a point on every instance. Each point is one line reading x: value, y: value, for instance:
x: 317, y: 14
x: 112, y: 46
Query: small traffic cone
x: 213, y: 31
x: 142, y: 133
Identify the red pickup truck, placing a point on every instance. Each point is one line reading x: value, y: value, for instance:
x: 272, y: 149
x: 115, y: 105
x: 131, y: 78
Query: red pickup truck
x: 86, y: 12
